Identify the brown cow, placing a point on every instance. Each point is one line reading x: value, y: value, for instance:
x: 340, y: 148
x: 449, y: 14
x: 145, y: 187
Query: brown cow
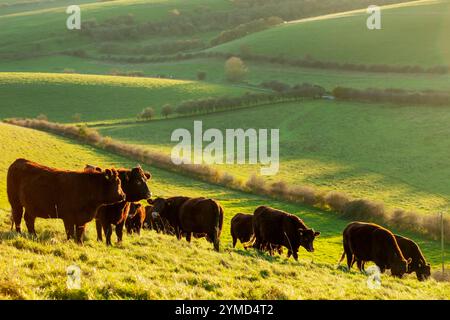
x: 134, y: 185
x: 192, y: 215
x: 242, y: 229
x: 72, y: 196
x: 371, y: 242
x: 276, y: 227
x: 411, y: 251
x: 136, y: 217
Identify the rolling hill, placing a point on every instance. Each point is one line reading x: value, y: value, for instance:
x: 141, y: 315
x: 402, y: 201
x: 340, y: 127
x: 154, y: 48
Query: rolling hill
x: 168, y: 269
x: 325, y: 144
x: 414, y: 33
x: 61, y: 96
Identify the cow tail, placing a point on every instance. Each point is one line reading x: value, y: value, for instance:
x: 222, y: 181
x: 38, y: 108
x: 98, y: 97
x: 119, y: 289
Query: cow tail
x: 342, y: 258
x: 217, y: 226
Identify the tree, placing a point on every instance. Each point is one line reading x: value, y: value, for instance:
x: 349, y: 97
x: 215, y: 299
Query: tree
x: 235, y: 69
x: 201, y: 75
x: 147, y: 114
x: 167, y: 110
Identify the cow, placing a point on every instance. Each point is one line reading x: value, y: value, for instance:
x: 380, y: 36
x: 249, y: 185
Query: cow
x: 134, y: 185
x: 411, y: 251
x: 73, y: 196
x: 153, y: 221
x: 192, y: 215
x: 279, y: 228
x: 370, y: 242
x: 242, y: 229
x: 135, y: 219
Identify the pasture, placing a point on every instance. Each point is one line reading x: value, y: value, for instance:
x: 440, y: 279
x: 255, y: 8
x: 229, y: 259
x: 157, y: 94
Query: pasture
x: 155, y: 266
x: 334, y: 38
x: 95, y: 97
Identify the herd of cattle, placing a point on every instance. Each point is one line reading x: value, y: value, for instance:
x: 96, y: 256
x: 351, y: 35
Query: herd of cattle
x: 112, y: 197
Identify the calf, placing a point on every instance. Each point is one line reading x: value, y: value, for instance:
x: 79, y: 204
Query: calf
x: 134, y: 185
x: 72, y: 196
x: 242, y: 229
x: 136, y: 217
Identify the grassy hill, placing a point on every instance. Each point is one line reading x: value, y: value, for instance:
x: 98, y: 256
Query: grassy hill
x: 412, y: 34
x: 60, y: 96
x: 214, y: 68
x: 381, y: 152
x: 168, y: 269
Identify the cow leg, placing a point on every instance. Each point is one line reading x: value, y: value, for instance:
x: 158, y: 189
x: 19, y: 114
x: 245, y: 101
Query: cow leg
x: 108, y: 232
x: 359, y: 263
x: 178, y: 233
x: 29, y: 220
x: 98, y: 226
x: 188, y: 236
x: 235, y: 241
x: 69, y: 230
x: 289, y: 253
x: 119, y: 231
x: 295, y: 254
x: 17, y: 213
x: 80, y: 233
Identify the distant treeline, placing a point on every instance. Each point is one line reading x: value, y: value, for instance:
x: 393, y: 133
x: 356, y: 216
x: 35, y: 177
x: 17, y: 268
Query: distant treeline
x: 306, y: 62
x: 340, y: 203
x: 395, y: 96
x: 216, y: 104
x: 204, y: 19
x: 167, y: 47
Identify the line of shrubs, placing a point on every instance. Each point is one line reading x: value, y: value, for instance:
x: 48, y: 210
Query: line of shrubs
x: 245, y: 29
x: 396, y: 96
x: 307, y: 61
x: 215, y: 104
x: 340, y: 203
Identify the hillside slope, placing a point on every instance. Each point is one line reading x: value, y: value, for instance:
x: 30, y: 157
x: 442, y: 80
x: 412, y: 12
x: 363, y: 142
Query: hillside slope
x: 166, y: 269
x: 414, y: 33
x: 60, y: 96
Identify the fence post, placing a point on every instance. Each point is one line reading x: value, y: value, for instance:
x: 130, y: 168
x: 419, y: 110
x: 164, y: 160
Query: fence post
x: 442, y: 242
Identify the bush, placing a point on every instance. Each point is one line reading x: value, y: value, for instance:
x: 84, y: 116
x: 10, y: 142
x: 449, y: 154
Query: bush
x: 364, y: 210
x: 337, y: 201
x: 42, y: 117
x: 201, y: 75
x: 303, y: 194
x: 235, y: 70
x: 147, y: 114
x: 256, y: 183
x: 166, y: 110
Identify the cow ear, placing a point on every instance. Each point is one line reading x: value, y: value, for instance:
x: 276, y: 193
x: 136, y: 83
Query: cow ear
x: 150, y: 201
x: 108, y: 174
x: 317, y: 233
x: 409, y: 261
x: 300, y: 231
x: 148, y: 175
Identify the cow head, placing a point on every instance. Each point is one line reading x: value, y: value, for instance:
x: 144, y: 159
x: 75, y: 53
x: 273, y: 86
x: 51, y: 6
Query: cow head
x: 90, y: 168
x: 134, y: 207
x: 113, y: 190
x: 159, y: 206
x: 423, y: 271
x: 307, y: 237
x: 400, y: 267
x: 134, y: 184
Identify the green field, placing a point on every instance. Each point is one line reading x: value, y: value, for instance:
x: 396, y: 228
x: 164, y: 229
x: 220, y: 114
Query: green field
x: 214, y: 68
x: 325, y: 144
x: 411, y: 34
x: 164, y: 268
x: 60, y: 96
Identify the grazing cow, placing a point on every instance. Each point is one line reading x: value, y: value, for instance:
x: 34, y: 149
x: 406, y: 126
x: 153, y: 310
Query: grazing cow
x: 72, y: 196
x: 192, y: 215
x: 136, y: 217
x: 134, y: 185
x: 371, y: 242
x: 242, y: 229
x: 411, y: 251
x: 153, y: 221
x: 276, y: 227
